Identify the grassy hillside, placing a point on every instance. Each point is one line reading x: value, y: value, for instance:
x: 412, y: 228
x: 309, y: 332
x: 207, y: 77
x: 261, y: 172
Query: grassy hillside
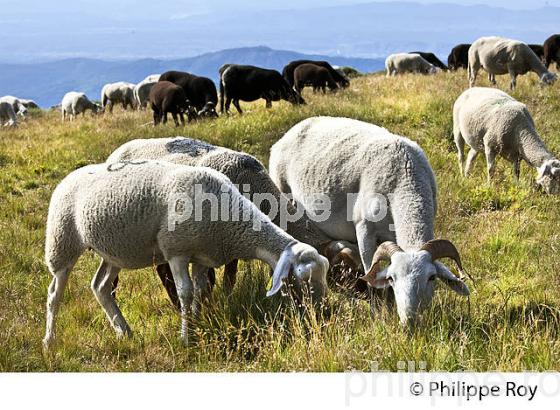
x: 507, y: 233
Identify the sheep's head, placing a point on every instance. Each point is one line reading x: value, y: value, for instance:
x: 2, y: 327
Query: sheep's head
x: 97, y: 109
x: 208, y: 111
x: 433, y: 69
x: 548, y: 78
x: 549, y: 177
x: 307, y: 266
x: 413, y: 274
x: 188, y: 108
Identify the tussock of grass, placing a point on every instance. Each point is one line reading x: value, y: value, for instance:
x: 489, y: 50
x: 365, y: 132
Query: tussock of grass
x: 507, y: 233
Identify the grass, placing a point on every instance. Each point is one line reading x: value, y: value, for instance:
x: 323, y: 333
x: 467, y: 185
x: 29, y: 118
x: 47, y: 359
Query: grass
x: 507, y: 233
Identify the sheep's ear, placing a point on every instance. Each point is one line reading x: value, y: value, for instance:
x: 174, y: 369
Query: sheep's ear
x: 454, y: 283
x: 281, y: 271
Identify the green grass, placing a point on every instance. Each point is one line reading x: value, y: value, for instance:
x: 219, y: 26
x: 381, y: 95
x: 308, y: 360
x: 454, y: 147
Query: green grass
x: 508, y: 235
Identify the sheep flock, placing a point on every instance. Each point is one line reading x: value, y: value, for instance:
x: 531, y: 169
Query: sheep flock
x: 338, y: 193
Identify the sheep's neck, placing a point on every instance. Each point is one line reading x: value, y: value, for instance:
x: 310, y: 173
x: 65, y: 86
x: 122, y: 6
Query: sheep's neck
x: 413, y: 221
x: 532, y: 148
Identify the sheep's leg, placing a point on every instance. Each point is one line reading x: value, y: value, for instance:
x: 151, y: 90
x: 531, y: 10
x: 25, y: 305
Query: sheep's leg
x: 460, y: 143
x: 202, y: 290
x: 492, y: 78
x: 236, y: 104
x: 174, y: 115
x: 179, y: 269
x: 157, y: 117
x: 54, y: 297
x: 516, y: 168
x: 471, y: 156
x: 227, y: 104
x: 513, y: 80
x: 230, y: 273
x: 490, y: 161
x: 102, y: 286
x: 182, y: 118
x: 473, y: 72
x: 268, y: 103
x: 164, y: 272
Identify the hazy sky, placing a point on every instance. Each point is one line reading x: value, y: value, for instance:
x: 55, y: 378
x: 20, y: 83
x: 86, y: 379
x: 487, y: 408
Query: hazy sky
x: 147, y: 9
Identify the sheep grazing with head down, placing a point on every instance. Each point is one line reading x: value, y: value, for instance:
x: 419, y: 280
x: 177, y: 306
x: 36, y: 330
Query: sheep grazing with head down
x: 142, y: 90
x: 492, y: 122
x: 117, y: 93
x: 408, y: 63
x: 7, y: 115
x: 74, y: 103
x: 19, y: 108
x: 381, y: 189
x: 247, y: 173
x: 135, y: 214
x: 498, y: 55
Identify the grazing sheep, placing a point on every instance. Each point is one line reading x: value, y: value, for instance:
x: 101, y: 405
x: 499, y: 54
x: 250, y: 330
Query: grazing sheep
x: 250, y: 83
x: 247, y: 173
x: 459, y: 57
x: 538, y: 49
x: 498, y: 55
x: 288, y: 72
x: 551, y: 50
x: 142, y: 90
x: 29, y: 104
x: 200, y: 91
x: 7, y: 115
x: 381, y: 188
x: 166, y: 97
x: 74, y: 103
x: 492, y: 122
x: 16, y: 104
x: 134, y: 214
x: 116, y: 93
x: 431, y: 58
x: 315, y: 76
x: 408, y: 63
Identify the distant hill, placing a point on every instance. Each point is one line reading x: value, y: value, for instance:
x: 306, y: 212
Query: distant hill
x: 47, y: 82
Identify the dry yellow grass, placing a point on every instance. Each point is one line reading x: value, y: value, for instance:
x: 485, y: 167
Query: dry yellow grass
x: 508, y: 234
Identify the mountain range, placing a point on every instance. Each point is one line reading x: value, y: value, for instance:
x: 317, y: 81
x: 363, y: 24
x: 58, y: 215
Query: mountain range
x: 47, y: 82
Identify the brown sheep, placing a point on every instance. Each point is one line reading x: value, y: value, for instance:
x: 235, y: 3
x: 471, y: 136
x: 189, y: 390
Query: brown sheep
x: 166, y: 97
x: 315, y: 76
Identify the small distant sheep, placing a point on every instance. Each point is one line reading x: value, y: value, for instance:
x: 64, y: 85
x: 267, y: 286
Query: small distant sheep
x: 431, y: 58
x: 122, y: 212
x: 315, y: 76
x: 16, y: 104
x: 7, y: 115
x: 408, y: 63
x: 142, y: 90
x: 459, y: 57
x: 551, y: 50
x: 117, y: 93
x: 166, y: 97
x: 498, y: 55
x: 492, y: 122
x: 75, y: 103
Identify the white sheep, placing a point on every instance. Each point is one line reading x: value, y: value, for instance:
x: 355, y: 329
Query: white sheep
x: 7, y: 115
x: 408, y: 63
x: 381, y: 188
x: 74, y: 103
x: 493, y: 123
x: 142, y: 90
x: 136, y: 214
x: 16, y: 104
x: 251, y: 177
x: 117, y: 93
x: 498, y: 55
